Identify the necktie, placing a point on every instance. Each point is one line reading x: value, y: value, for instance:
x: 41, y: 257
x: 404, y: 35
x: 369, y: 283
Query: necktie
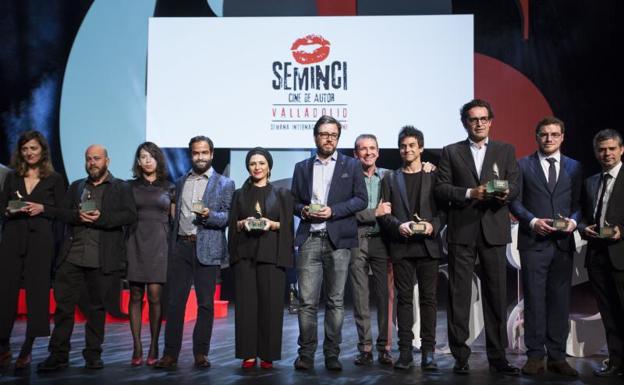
x: 552, y: 174
x: 603, y: 188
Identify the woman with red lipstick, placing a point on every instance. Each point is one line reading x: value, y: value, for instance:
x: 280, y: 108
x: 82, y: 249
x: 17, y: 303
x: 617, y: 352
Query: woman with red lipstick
x: 147, y: 245
x: 261, y: 248
x: 28, y: 241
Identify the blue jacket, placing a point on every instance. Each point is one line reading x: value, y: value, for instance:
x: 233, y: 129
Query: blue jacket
x: 211, y: 244
x: 347, y: 195
x: 536, y: 201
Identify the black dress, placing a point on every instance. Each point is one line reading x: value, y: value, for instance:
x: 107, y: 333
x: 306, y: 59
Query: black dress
x: 147, y: 245
x: 27, y: 251
x: 259, y: 260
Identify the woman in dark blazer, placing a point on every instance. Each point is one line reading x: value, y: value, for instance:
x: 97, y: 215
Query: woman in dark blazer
x: 28, y: 241
x: 259, y: 258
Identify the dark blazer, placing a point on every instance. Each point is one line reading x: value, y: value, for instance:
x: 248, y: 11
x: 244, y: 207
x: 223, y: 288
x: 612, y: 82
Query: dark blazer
x: 22, y: 228
x: 614, y: 215
x: 118, y: 210
x: 393, y: 190
x: 347, y: 195
x: 211, y: 245
x: 457, y: 173
x: 535, y: 200
x: 274, y: 247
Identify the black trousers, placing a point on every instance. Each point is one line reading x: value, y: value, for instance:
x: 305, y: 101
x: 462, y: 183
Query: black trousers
x: 259, y: 306
x: 184, y: 271
x: 68, y: 286
x: 493, y: 264
x: 546, y: 280
x: 407, y: 272
x: 608, y: 285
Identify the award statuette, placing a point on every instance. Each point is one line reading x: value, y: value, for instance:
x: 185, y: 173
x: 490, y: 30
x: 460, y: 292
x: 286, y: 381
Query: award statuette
x: 16, y: 205
x: 418, y: 227
x: 315, y: 205
x: 88, y: 204
x: 606, y: 231
x: 496, y: 185
x: 198, y: 207
x: 257, y: 224
x: 560, y: 223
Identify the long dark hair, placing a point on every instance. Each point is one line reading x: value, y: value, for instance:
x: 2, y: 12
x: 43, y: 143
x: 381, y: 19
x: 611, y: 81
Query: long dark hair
x: 45, y: 164
x: 157, y: 154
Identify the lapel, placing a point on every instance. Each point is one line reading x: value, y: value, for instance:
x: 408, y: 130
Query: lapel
x: 210, y: 186
x: 310, y: 181
x: 487, y: 172
x: 564, y: 174
x: 594, y: 186
x: 466, y: 154
x: 617, y: 191
x: 537, y: 170
x: 270, y: 203
x: 340, y: 165
x: 425, y: 187
x: 403, y: 191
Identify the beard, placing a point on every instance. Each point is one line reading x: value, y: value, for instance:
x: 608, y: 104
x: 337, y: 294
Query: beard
x: 97, y: 174
x: 201, y: 167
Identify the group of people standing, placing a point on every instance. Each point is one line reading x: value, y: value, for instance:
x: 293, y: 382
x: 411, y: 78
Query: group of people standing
x: 354, y: 217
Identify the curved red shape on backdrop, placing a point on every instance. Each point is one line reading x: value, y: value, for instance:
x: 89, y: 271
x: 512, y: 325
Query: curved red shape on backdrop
x: 318, y: 55
x: 518, y: 104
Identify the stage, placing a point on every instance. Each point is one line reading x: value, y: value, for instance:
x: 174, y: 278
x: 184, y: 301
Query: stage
x: 226, y: 369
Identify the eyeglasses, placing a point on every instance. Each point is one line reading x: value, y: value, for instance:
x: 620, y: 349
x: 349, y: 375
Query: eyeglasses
x: 327, y: 135
x: 482, y: 120
x: 554, y: 135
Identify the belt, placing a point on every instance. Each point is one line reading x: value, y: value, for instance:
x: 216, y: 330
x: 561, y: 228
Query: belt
x: 319, y: 234
x: 188, y: 238
x: 370, y: 235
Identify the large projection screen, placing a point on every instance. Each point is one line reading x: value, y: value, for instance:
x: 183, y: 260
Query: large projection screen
x: 264, y: 81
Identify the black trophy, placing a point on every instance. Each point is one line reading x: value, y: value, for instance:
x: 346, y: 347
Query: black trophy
x: 418, y: 227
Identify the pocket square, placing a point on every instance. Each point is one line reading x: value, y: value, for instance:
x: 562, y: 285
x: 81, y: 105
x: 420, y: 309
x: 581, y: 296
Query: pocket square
x: 345, y: 175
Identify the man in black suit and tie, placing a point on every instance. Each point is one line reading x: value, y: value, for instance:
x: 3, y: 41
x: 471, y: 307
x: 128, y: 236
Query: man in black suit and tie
x: 548, y: 209
x: 478, y: 225
x: 602, y: 226
x: 414, y: 250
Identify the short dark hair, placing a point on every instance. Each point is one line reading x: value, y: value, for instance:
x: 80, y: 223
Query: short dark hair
x: 606, y: 134
x: 472, y: 104
x: 326, y: 119
x: 45, y: 163
x: 364, y: 136
x: 412, y: 131
x: 548, y: 121
x: 157, y: 154
x: 201, y: 138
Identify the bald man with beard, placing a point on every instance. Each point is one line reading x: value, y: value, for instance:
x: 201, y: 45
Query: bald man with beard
x: 95, y: 210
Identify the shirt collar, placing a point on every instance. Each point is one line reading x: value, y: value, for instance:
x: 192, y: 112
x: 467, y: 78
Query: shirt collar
x: 474, y: 144
x: 332, y: 157
x: 108, y: 179
x: 556, y: 156
x: 207, y: 173
x: 614, y: 171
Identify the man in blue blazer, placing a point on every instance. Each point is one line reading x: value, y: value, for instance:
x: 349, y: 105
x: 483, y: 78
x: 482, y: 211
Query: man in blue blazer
x: 328, y: 190
x: 198, y: 247
x: 550, y: 188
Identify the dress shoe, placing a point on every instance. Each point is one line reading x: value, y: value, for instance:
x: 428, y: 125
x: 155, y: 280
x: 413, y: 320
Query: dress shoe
x: 166, y: 362
x: 427, y: 362
x: 136, y: 361
x: 23, y: 362
x: 201, y: 361
x: 504, y: 367
x: 303, y: 363
x: 461, y: 368
x: 95, y: 363
x: 533, y: 366
x: 266, y: 364
x: 5, y: 359
x: 562, y: 367
x: 332, y: 363
x: 384, y: 357
x: 364, y: 359
x: 405, y: 361
x: 248, y: 364
x: 52, y: 364
x: 151, y: 361
x: 609, y: 371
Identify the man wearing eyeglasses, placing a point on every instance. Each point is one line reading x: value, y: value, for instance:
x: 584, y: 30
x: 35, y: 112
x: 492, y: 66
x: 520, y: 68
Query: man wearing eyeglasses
x: 328, y: 190
x: 478, y: 225
x: 548, y: 209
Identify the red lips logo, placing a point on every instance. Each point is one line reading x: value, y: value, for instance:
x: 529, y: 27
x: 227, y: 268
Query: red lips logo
x: 310, y: 49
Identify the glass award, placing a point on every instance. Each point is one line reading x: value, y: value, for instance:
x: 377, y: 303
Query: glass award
x: 198, y: 207
x: 315, y: 205
x: 15, y: 205
x: 418, y: 227
x: 257, y: 224
x: 560, y: 223
x: 88, y: 203
x: 496, y: 185
x: 606, y: 231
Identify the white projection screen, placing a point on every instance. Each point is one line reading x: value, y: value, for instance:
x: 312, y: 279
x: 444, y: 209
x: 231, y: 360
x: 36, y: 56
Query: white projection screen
x: 264, y: 81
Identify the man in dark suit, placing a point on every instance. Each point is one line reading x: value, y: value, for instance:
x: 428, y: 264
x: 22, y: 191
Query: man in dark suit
x: 93, y: 250
x: 550, y: 188
x: 603, y: 194
x: 410, y: 192
x: 478, y: 225
x: 328, y: 189
x: 198, y: 247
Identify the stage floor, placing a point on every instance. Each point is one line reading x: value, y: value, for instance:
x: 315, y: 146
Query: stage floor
x: 226, y: 369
